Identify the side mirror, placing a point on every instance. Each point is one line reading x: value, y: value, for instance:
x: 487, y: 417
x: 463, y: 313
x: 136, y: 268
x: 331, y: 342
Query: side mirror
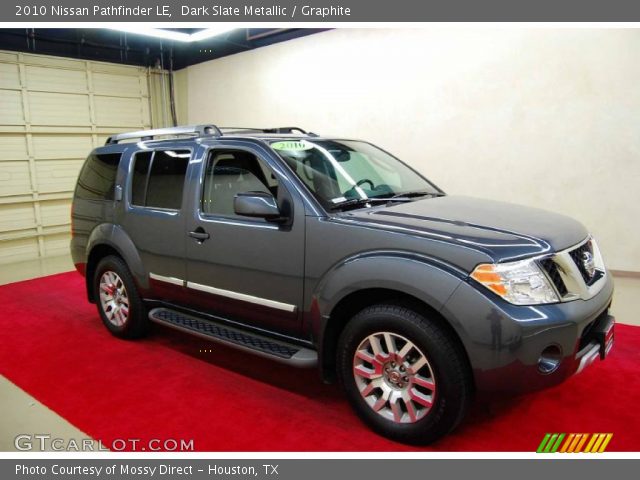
x: 257, y: 205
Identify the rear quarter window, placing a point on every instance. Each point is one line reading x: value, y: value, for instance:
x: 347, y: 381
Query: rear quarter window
x: 98, y: 177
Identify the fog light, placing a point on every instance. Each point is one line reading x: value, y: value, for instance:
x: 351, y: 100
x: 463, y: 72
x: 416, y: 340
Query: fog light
x: 550, y: 359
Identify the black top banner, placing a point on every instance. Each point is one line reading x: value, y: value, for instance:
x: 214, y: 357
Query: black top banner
x: 33, y: 11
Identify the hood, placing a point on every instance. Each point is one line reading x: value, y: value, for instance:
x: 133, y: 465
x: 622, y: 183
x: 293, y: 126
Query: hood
x: 502, y: 230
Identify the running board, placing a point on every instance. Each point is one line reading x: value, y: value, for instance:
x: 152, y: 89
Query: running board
x: 236, y: 338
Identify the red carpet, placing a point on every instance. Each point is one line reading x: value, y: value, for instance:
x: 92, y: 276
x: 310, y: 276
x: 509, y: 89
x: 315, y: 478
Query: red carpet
x: 53, y: 345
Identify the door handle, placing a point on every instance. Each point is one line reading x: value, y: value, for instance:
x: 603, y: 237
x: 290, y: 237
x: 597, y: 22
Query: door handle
x: 199, y: 234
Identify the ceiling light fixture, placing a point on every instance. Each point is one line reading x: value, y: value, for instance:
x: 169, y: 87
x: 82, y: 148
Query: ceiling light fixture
x: 173, y: 35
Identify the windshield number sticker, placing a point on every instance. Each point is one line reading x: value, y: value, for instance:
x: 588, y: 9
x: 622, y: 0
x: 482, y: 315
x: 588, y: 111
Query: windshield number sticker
x: 292, y: 146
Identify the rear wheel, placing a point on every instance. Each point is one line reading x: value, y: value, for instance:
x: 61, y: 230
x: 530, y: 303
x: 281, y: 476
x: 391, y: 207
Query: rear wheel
x: 119, y: 304
x: 403, y: 374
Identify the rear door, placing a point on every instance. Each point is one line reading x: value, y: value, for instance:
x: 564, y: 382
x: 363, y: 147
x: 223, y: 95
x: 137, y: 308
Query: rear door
x: 246, y: 269
x: 155, y: 217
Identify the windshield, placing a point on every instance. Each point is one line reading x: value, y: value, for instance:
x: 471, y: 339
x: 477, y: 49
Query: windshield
x: 340, y: 171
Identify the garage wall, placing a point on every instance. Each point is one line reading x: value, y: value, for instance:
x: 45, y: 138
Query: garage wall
x: 543, y: 117
x: 53, y: 111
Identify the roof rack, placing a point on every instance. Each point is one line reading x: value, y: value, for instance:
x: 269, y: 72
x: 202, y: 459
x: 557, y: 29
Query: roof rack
x: 198, y: 131
x: 269, y: 130
x: 144, y: 135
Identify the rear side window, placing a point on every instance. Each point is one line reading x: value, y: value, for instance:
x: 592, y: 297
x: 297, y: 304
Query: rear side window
x: 98, y: 177
x: 158, y: 178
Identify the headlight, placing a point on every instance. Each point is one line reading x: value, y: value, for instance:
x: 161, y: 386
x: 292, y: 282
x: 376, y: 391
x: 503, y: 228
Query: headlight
x: 520, y: 283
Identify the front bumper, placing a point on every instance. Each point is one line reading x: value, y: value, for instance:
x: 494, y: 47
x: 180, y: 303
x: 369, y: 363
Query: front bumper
x: 504, y: 342
x: 600, y: 342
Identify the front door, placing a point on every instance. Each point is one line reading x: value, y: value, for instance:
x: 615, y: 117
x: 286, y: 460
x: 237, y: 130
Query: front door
x: 245, y: 269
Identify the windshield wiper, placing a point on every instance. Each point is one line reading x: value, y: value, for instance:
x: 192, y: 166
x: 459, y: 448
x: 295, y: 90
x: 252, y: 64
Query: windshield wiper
x: 408, y: 195
x: 356, y: 202
x: 398, y: 197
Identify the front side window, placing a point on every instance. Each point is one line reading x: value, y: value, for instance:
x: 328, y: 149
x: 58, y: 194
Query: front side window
x: 337, y: 171
x: 158, y: 178
x: 230, y: 172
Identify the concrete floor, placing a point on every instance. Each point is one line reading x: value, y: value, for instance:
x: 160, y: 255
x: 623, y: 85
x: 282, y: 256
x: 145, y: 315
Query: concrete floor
x: 22, y: 414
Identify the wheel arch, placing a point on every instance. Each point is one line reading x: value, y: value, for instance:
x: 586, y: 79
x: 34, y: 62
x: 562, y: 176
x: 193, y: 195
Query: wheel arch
x: 109, y: 239
x: 421, y: 283
x: 356, y: 301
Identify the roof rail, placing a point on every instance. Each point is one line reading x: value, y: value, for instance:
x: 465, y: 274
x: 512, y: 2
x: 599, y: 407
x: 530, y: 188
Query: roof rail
x: 268, y: 130
x: 197, y: 130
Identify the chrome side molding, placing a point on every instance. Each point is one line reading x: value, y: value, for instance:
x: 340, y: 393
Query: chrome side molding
x: 243, y: 297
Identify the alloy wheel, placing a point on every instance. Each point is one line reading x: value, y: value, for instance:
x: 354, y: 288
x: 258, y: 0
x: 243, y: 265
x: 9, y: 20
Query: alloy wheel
x: 113, y: 298
x: 394, y: 377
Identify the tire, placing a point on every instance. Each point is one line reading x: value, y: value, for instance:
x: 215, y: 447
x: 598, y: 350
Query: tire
x: 427, y: 403
x: 115, y: 288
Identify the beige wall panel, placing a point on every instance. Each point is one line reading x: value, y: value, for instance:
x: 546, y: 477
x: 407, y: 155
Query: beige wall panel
x: 61, y: 146
x: 13, y: 147
x: 17, y: 216
x: 43, y: 144
x: 115, y: 69
x: 56, y: 80
x: 116, y: 85
x: 57, y: 175
x: 143, y: 80
x: 11, y: 110
x: 18, y: 250
x: 113, y: 111
x: 8, y: 57
x: 146, y: 114
x: 59, y: 109
x: 14, y: 178
x: 9, y: 75
x: 54, y: 62
x: 56, y: 244
x: 56, y: 212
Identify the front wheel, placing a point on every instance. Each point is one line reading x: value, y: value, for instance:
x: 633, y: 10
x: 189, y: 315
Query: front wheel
x: 403, y: 374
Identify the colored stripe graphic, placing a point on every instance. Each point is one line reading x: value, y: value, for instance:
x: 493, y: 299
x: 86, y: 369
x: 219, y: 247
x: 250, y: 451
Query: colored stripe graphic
x: 568, y: 442
x: 574, y: 443
x: 591, y: 442
x: 557, y: 444
x: 543, y: 443
x: 607, y: 439
x: 547, y: 449
x: 581, y: 443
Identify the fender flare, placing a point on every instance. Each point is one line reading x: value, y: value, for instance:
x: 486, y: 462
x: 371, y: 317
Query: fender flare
x: 115, y: 237
x: 427, y: 279
x: 404, y: 271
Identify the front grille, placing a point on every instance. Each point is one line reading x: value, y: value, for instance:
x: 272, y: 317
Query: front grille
x: 577, y: 256
x: 551, y: 268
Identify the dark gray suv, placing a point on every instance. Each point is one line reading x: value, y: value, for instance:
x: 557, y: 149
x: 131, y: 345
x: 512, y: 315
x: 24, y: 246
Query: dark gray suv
x: 331, y: 252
